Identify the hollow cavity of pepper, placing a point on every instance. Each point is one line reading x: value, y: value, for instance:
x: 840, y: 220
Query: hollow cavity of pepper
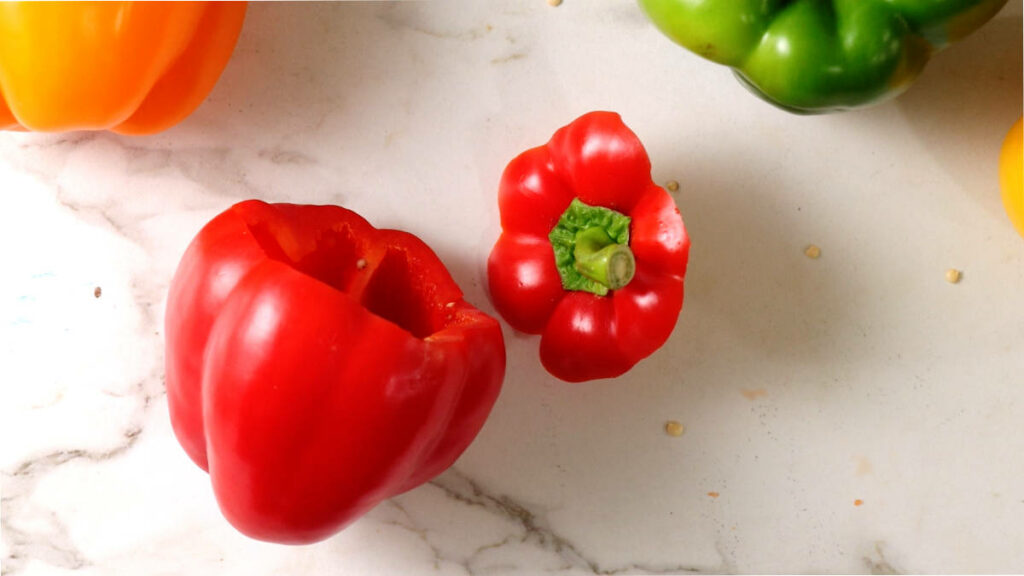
x: 386, y: 282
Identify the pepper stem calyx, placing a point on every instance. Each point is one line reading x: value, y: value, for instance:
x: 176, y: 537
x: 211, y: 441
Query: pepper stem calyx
x: 591, y: 246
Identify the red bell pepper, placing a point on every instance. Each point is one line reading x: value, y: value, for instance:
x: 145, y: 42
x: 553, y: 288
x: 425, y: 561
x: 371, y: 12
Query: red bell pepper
x: 592, y: 253
x: 317, y: 365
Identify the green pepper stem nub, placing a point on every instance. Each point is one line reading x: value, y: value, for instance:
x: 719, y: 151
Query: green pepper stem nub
x: 600, y: 258
x: 591, y: 248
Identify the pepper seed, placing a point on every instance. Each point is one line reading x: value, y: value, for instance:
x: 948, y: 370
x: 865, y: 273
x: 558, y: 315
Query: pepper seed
x: 812, y: 252
x: 953, y: 276
x: 674, y: 428
x: 672, y: 186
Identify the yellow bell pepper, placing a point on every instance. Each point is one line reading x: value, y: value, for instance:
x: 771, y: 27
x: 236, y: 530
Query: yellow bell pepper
x: 1010, y: 161
x: 129, y: 67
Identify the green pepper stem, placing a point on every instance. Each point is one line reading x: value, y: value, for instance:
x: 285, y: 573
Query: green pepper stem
x: 601, y: 259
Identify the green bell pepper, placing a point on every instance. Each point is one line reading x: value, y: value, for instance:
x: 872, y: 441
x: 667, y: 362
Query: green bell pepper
x: 812, y: 56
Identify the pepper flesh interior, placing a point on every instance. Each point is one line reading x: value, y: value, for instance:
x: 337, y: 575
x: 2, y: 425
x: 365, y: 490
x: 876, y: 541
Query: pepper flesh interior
x: 392, y: 290
x: 390, y: 295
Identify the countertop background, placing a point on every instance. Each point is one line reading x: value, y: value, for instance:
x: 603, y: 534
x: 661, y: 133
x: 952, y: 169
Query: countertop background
x: 805, y: 386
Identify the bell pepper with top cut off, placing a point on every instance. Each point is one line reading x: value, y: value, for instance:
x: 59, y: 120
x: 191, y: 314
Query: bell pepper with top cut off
x: 316, y: 365
x: 811, y: 56
x: 592, y: 253
x: 129, y: 67
x: 1011, y: 160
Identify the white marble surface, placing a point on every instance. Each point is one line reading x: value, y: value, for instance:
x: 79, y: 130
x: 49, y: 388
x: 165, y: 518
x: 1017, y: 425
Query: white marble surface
x: 803, y: 385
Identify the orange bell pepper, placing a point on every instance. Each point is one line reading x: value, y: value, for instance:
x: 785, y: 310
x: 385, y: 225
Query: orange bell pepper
x: 129, y: 67
x: 1011, y: 161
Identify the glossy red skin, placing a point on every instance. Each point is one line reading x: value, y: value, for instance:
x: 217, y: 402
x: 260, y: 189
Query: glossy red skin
x: 584, y: 336
x: 290, y: 377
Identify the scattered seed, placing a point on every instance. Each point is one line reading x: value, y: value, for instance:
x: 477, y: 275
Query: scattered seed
x: 450, y: 305
x: 858, y: 502
x: 97, y: 292
x: 754, y: 394
x: 360, y: 264
x: 554, y: 3
x: 713, y: 494
x: 674, y: 428
x: 672, y: 186
x: 812, y: 252
x: 953, y: 276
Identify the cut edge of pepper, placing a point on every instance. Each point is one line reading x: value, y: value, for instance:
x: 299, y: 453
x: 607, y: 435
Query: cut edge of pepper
x: 391, y: 281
